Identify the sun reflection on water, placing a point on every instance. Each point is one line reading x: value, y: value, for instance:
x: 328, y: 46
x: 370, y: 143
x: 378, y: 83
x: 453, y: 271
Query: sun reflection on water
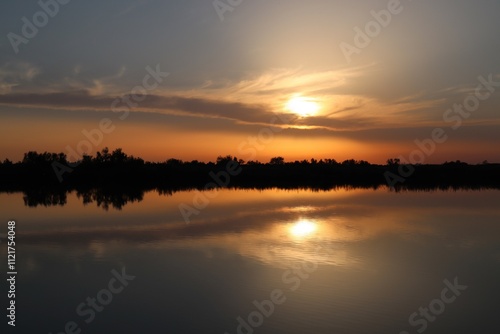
x: 303, y: 228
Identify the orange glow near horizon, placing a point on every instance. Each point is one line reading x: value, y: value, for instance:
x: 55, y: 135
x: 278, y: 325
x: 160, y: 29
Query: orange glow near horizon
x: 161, y: 141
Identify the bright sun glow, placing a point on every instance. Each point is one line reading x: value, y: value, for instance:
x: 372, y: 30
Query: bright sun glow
x: 303, y: 106
x: 303, y: 228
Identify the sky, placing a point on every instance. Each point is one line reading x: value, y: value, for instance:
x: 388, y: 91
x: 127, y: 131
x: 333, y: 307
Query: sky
x: 195, y: 79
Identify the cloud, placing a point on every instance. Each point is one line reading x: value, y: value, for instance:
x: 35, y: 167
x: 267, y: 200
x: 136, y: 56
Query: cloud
x: 79, y: 80
x: 13, y: 74
x: 199, y: 107
x: 257, y: 100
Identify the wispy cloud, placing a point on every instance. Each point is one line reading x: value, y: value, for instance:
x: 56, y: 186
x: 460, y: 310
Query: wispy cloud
x: 13, y: 74
x: 79, y: 80
x: 255, y: 100
x: 199, y: 107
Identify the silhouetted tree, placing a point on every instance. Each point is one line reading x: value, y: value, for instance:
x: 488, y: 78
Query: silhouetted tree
x: 393, y: 162
x: 108, y: 175
x: 277, y: 161
x: 350, y: 162
x: 118, y: 156
x: 6, y: 162
x: 174, y: 162
x: 331, y: 162
x: 224, y: 160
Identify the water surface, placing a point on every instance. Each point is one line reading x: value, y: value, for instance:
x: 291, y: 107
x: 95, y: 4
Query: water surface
x: 342, y: 261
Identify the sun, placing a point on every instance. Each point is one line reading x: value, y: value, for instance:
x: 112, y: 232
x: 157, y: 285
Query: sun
x: 303, y: 106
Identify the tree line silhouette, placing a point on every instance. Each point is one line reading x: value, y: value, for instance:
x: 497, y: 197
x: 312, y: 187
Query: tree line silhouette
x: 113, y: 178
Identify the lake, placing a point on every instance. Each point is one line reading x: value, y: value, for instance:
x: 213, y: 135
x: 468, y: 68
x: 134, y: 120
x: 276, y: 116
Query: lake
x: 258, y: 261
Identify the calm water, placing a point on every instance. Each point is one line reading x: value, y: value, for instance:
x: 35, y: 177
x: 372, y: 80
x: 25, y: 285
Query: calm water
x: 359, y: 261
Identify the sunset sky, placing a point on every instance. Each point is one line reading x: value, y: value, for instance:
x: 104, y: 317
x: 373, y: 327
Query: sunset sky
x: 255, y: 80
